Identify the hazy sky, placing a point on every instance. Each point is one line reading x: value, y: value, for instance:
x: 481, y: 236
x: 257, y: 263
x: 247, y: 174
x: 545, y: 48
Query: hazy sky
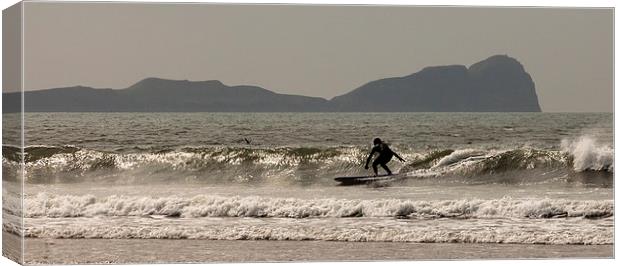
x: 315, y: 50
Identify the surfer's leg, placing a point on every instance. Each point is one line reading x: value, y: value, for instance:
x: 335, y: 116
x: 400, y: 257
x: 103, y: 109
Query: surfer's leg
x: 374, y: 166
x: 383, y: 162
x: 384, y: 165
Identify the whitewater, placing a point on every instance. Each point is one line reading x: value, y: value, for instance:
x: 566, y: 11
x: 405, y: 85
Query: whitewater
x: 468, y: 178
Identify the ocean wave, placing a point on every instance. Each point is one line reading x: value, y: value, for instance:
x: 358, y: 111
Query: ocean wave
x: 471, y: 231
x: 45, y: 205
x: 475, y: 163
x: 588, y: 155
x: 46, y: 164
x: 505, y: 220
x: 224, y: 164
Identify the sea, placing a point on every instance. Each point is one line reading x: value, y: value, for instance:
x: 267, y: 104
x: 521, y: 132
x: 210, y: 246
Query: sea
x: 469, y: 179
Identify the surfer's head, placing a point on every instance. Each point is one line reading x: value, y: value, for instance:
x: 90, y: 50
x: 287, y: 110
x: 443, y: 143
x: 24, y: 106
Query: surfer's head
x: 376, y: 141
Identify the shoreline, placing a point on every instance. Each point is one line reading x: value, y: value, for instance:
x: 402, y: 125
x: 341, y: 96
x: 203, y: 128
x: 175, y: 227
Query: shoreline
x: 88, y: 251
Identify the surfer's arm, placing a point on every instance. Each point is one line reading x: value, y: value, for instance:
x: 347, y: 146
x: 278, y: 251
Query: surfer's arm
x: 398, y: 156
x: 369, y: 157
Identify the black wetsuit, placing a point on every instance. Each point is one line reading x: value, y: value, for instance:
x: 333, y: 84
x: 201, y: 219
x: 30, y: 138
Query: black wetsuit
x: 385, y: 155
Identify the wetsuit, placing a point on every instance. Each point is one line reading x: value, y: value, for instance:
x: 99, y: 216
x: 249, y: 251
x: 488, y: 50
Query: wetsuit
x: 385, y: 155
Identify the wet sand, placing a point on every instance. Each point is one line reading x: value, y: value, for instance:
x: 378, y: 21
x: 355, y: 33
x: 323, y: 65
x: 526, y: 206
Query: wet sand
x: 80, y: 251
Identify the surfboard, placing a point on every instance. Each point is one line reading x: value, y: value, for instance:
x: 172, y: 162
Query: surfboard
x: 360, y: 180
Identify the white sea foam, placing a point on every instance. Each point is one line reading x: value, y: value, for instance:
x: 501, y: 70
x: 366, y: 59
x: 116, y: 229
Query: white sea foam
x: 589, y: 155
x: 46, y: 205
x: 331, y: 229
x: 504, y: 220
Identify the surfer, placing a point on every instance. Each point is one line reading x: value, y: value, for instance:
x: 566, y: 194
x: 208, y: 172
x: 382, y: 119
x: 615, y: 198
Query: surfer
x: 385, y: 155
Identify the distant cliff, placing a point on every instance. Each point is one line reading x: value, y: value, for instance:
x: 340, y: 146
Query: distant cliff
x: 497, y: 84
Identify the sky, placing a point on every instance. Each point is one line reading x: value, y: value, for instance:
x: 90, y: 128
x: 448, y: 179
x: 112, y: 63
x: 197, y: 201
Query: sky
x: 316, y: 50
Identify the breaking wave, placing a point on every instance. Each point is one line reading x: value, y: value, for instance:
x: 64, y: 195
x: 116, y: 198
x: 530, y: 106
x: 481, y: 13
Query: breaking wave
x: 305, y: 165
x: 359, y: 230
x: 587, y: 154
x: 54, y: 206
x: 536, y: 221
